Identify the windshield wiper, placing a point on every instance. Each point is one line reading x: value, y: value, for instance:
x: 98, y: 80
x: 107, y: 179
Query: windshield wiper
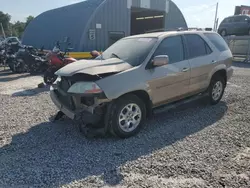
x: 113, y: 54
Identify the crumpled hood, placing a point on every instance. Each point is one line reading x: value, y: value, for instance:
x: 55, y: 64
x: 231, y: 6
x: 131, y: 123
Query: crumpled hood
x: 94, y: 67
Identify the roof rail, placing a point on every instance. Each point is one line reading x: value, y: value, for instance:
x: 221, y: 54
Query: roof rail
x: 179, y: 29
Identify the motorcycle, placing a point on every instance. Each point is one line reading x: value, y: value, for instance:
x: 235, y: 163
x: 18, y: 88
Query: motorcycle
x: 10, y: 51
x: 31, y: 60
x: 57, y: 60
x: 2, y: 56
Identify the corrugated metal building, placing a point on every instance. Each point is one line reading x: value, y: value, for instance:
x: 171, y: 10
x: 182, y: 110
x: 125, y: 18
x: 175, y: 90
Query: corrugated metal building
x: 96, y: 24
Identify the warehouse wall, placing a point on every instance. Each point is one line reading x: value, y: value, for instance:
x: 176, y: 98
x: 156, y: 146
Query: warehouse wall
x: 175, y: 18
x: 76, y: 21
x: 56, y: 24
x: 114, y: 15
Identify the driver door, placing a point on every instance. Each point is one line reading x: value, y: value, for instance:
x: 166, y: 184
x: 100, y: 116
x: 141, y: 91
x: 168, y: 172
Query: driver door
x: 170, y: 82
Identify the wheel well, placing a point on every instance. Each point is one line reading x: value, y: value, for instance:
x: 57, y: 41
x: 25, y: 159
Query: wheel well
x: 143, y: 95
x: 222, y: 73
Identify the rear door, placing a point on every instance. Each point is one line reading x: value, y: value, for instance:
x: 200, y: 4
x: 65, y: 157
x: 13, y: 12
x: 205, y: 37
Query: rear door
x: 170, y: 82
x: 239, y: 25
x: 201, y: 58
x: 230, y: 26
x: 243, y: 25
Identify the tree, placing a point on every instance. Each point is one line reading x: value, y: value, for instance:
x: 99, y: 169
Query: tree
x: 18, y: 28
x: 5, y: 20
x: 28, y: 20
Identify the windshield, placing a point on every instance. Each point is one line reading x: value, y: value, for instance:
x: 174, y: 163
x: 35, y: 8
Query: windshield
x: 133, y: 50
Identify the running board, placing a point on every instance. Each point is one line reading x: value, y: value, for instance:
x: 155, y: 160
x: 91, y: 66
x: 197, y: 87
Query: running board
x: 179, y: 103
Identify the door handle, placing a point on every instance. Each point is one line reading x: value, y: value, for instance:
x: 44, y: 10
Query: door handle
x: 185, y: 69
x: 214, y: 61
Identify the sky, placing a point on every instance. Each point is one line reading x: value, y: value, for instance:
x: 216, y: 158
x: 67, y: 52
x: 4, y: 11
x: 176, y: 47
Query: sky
x: 198, y: 13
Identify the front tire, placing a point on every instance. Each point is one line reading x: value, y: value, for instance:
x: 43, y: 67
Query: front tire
x: 126, y: 116
x: 49, y: 77
x: 216, y: 89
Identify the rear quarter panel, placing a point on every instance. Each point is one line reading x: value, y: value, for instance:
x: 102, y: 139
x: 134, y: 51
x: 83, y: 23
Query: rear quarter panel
x: 224, y: 62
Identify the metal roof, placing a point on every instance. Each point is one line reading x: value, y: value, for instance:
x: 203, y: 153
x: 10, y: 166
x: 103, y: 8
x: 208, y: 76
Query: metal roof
x: 69, y: 21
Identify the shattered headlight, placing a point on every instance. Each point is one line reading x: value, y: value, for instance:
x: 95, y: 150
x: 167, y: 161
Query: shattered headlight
x: 85, y: 88
x: 58, y: 79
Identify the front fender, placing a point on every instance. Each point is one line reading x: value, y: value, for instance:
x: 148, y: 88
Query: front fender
x: 116, y: 92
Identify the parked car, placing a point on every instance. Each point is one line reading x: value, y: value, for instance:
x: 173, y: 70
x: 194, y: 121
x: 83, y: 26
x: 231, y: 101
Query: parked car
x: 235, y: 25
x: 141, y: 73
x: 10, y: 40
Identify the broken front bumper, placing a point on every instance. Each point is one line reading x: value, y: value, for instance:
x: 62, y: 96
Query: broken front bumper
x: 68, y: 112
x: 88, y: 114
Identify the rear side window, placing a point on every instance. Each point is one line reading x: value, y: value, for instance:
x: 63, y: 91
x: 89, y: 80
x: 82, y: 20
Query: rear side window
x: 197, y: 46
x: 173, y: 47
x: 246, y: 19
x: 226, y: 20
x: 238, y: 19
x: 218, y: 41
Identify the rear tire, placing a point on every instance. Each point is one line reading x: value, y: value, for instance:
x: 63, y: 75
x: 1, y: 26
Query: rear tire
x: 216, y: 89
x: 126, y: 116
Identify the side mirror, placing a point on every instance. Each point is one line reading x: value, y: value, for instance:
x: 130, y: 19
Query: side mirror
x: 160, y: 60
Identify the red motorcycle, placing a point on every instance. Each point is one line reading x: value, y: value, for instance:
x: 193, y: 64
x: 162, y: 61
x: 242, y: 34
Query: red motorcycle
x: 57, y: 60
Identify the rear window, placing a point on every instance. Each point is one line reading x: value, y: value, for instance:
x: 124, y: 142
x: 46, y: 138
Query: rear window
x: 218, y: 41
x: 239, y: 19
x: 197, y: 46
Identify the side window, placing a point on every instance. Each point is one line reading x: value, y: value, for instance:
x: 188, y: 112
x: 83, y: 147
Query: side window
x: 173, y: 47
x: 230, y: 20
x: 208, y: 49
x: 246, y: 19
x: 218, y: 41
x: 197, y: 46
x: 226, y: 20
x: 237, y: 19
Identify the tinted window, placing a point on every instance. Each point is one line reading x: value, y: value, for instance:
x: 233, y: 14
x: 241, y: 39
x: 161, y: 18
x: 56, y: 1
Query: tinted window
x: 239, y: 19
x: 218, y: 41
x: 173, y: 47
x: 226, y: 20
x: 208, y: 49
x: 247, y: 18
x: 131, y: 50
x: 197, y: 46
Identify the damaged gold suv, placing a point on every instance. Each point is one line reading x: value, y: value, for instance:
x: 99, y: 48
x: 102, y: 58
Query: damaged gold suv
x: 121, y: 88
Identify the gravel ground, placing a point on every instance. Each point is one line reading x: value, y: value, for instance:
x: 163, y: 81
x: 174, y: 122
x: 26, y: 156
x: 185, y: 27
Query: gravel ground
x: 192, y: 146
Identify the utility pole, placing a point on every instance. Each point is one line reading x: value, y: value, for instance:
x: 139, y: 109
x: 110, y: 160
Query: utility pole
x: 2, y: 30
x: 217, y: 23
x: 216, y: 14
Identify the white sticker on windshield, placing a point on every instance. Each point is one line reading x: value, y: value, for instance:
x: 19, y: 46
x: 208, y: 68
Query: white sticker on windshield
x: 144, y: 39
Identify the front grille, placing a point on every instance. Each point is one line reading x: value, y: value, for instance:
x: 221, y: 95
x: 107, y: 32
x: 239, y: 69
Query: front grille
x: 66, y: 100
